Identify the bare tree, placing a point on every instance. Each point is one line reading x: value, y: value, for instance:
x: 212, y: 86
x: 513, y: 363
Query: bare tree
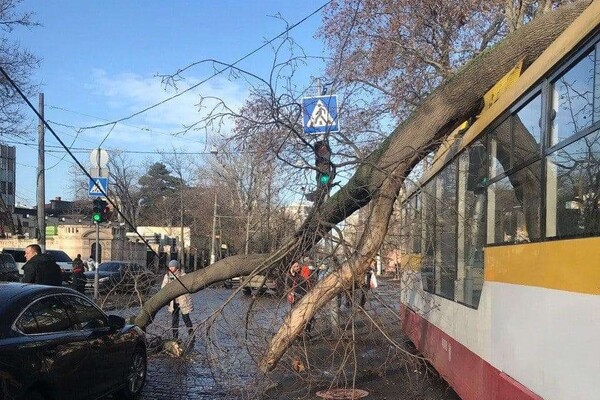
x: 377, y: 181
x: 18, y: 64
x: 124, y: 175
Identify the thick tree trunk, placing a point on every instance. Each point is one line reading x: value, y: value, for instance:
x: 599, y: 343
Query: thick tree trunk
x: 380, y: 179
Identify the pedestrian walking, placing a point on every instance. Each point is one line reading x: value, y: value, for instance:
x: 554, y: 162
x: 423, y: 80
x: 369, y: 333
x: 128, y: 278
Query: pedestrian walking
x: 181, y: 304
x: 297, y: 281
x: 40, y: 268
x: 77, y: 260
x: 369, y: 282
x: 90, y: 264
x: 78, y: 279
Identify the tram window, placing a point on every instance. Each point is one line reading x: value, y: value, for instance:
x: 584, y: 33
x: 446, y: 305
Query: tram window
x: 573, y: 189
x: 516, y: 141
x: 415, y: 222
x: 500, y: 148
x: 573, y: 99
x: 428, y: 235
x: 527, y: 132
x: 514, y: 207
x: 471, y: 237
x: 477, y: 167
x: 445, y: 231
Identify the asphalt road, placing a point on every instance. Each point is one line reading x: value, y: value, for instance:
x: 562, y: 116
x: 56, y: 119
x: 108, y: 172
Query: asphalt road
x: 222, y: 362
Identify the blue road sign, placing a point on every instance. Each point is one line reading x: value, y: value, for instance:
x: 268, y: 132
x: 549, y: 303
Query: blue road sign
x: 320, y: 114
x: 95, y: 185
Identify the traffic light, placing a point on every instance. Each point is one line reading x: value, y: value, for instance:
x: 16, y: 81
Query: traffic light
x: 325, y: 168
x: 100, y: 212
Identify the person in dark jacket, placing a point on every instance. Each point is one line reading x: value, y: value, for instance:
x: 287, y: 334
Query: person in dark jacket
x: 298, y: 283
x: 40, y: 268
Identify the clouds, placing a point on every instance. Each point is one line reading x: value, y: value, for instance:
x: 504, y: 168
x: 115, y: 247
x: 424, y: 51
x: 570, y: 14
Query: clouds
x: 125, y: 94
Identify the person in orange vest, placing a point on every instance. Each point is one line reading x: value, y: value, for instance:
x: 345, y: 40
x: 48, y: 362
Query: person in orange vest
x: 298, y: 283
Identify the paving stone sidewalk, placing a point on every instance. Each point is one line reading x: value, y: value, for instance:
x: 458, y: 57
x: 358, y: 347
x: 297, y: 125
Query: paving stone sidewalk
x: 375, y: 366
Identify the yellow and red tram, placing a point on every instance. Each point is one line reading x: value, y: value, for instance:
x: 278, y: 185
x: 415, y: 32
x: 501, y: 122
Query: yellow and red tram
x: 505, y: 226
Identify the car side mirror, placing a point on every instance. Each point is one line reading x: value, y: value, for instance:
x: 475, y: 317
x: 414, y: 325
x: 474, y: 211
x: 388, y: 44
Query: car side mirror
x: 115, y: 322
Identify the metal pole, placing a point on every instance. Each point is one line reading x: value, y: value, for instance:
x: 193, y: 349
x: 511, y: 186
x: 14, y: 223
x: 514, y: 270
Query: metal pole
x: 41, y: 179
x: 212, y: 238
x: 319, y: 87
x: 181, y: 244
x: 96, y: 258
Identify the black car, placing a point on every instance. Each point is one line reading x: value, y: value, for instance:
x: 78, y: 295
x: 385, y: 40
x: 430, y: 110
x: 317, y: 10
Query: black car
x: 56, y: 344
x: 8, y: 269
x: 120, y: 276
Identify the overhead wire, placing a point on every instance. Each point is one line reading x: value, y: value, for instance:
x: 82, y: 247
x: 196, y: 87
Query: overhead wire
x: 218, y: 72
x: 41, y: 118
x: 78, y: 163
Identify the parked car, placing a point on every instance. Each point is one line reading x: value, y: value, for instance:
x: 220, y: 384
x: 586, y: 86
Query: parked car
x: 121, y: 276
x: 8, y: 268
x: 57, y: 344
x: 62, y: 259
x: 64, y: 262
x: 261, y: 284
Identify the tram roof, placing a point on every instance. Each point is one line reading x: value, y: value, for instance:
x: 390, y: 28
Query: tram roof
x: 510, y: 88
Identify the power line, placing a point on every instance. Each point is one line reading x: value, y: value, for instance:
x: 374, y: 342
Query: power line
x: 218, y: 72
x: 79, y: 129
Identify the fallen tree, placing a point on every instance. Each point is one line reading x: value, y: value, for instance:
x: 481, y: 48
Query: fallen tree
x: 378, y: 180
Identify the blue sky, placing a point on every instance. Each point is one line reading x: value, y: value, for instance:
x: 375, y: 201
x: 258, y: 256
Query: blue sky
x: 100, y: 58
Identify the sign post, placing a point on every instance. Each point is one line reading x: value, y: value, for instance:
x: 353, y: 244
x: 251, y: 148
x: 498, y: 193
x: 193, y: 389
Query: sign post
x: 98, y: 187
x: 320, y: 114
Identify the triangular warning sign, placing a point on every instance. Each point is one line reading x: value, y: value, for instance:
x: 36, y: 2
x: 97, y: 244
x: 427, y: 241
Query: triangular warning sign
x: 320, y: 116
x: 97, y: 187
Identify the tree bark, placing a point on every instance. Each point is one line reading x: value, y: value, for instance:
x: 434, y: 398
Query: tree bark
x: 379, y: 179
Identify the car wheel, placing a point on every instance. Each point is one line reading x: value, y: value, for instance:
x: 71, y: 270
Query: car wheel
x: 136, y: 375
x: 247, y: 291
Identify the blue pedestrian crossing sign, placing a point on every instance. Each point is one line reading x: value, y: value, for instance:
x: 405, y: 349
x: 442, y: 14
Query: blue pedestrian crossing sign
x: 97, y: 186
x: 320, y: 114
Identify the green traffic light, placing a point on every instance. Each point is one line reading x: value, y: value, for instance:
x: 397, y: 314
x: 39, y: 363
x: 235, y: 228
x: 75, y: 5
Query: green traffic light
x: 96, y: 217
x: 324, y: 179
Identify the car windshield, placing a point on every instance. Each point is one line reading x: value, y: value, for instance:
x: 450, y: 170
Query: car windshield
x: 6, y: 260
x: 18, y: 255
x: 59, y: 256
x: 109, y: 267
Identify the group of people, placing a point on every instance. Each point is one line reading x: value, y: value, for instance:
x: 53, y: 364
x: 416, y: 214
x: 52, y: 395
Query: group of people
x: 302, y: 276
x: 42, y: 269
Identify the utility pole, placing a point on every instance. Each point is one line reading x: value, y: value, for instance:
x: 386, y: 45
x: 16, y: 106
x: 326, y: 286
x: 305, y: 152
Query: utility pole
x: 41, y: 179
x: 212, y: 237
x: 96, y: 262
x: 181, y: 245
